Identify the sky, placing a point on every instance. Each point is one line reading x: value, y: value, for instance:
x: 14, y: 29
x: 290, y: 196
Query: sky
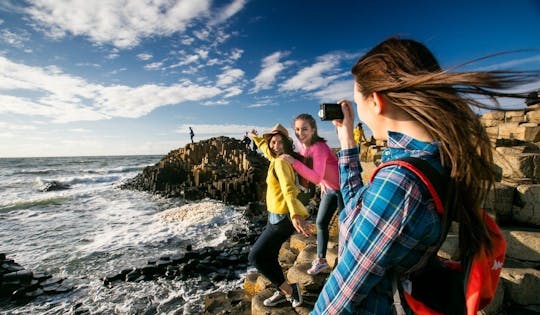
x: 129, y: 77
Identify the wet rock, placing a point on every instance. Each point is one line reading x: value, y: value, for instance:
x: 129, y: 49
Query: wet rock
x: 210, y: 264
x: 54, y: 185
x: 22, y: 285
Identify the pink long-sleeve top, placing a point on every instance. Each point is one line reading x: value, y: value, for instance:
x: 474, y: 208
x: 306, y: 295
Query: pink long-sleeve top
x: 325, y: 165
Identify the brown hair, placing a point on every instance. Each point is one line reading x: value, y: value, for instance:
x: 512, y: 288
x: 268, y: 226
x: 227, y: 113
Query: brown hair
x: 409, y: 77
x: 313, y: 124
x: 288, y: 146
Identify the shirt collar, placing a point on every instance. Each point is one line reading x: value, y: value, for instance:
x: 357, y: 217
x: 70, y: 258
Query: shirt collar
x: 401, y: 145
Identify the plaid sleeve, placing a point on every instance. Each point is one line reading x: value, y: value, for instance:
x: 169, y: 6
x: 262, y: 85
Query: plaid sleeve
x: 350, y: 171
x: 370, y: 247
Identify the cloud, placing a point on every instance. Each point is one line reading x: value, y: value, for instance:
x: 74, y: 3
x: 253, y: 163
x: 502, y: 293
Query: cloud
x: 270, y: 68
x: 153, y: 66
x: 51, y: 93
x: 120, y: 23
x: 15, y: 39
x: 144, y: 56
x: 336, y: 91
x: 216, y: 103
x: 186, y: 61
x: 232, y: 91
x: 230, y: 76
x: 315, y: 76
x: 230, y: 10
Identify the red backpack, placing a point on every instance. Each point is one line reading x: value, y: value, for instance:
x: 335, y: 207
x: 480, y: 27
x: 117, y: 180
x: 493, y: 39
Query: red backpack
x: 442, y: 286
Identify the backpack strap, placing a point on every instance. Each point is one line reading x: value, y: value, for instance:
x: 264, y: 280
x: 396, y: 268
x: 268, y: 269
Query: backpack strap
x: 436, y: 184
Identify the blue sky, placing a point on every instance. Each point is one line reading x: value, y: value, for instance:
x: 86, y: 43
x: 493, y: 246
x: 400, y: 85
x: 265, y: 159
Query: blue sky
x: 114, y: 77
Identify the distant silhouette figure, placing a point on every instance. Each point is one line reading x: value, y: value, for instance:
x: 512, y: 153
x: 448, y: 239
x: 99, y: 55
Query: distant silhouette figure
x: 191, y: 134
x: 246, y: 141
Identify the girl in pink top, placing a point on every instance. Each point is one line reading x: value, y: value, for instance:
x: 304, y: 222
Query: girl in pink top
x: 324, y: 173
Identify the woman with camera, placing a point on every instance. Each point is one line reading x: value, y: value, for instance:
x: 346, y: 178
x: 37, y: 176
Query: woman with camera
x: 324, y: 172
x: 286, y: 214
x: 387, y: 226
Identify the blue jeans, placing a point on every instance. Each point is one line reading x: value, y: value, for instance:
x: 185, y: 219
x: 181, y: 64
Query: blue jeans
x: 330, y: 201
x: 264, y: 253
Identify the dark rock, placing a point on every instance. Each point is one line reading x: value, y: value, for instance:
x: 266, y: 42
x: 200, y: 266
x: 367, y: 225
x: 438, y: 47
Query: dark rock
x: 54, y: 185
x: 219, y: 168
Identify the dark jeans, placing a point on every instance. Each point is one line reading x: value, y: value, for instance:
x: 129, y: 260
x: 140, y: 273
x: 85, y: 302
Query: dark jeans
x: 264, y: 253
x: 330, y: 201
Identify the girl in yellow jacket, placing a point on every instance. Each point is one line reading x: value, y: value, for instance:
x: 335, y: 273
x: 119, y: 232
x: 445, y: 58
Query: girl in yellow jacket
x: 286, y: 214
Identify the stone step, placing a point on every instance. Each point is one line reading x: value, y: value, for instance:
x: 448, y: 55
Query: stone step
x: 519, y: 284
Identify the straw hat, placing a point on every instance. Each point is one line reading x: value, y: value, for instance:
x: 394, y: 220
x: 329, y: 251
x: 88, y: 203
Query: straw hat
x: 278, y: 128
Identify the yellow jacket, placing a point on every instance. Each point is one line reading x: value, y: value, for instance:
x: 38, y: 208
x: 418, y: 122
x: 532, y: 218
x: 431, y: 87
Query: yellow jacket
x: 358, y: 135
x: 280, y: 194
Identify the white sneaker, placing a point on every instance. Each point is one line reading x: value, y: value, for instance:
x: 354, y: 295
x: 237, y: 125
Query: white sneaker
x: 317, y: 266
x: 296, y: 297
x: 275, y: 299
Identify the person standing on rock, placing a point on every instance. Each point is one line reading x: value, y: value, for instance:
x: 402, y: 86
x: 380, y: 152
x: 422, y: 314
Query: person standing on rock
x: 286, y: 214
x: 191, y: 134
x: 359, y: 135
x: 324, y: 172
x: 388, y: 225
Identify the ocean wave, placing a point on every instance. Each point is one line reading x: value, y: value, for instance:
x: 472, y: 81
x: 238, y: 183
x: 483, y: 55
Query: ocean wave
x: 35, y: 172
x: 126, y: 169
x: 41, y: 183
x: 25, y: 204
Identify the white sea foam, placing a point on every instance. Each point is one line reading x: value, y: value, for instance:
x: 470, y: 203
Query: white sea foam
x: 201, y: 213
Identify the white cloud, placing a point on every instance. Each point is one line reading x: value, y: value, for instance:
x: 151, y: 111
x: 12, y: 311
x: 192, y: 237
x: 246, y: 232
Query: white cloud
x: 232, y: 91
x: 216, y: 103
x: 313, y: 77
x: 271, y: 67
x: 13, y: 39
x: 64, y: 98
x: 121, y: 23
x: 153, y: 66
x: 187, y: 60
x: 230, y: 76
x: 202, y: 34
x: 202, y: 53
x: 228, y: 12
x: 236, y: 54
x: 336, y: 91
x: 144, y: 56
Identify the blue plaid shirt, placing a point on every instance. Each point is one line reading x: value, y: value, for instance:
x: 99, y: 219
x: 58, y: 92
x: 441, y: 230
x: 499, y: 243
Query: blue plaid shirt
x: 385, y: 228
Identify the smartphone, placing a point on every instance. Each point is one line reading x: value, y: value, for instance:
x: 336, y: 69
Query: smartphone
x: 330, y: 111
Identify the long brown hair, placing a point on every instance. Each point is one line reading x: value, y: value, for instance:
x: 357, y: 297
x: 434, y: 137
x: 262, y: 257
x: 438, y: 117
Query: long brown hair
x: 408, y: 76
x: 313, y: 124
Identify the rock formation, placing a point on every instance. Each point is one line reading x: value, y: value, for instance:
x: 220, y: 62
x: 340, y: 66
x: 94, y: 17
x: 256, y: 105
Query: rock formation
x: 219, y: 168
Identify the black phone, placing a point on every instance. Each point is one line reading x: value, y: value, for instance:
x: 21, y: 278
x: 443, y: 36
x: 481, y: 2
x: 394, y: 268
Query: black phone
x: 330, y: 111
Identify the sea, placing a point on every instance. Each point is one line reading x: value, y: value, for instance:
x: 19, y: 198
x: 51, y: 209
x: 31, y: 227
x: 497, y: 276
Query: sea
x: 93, y: 228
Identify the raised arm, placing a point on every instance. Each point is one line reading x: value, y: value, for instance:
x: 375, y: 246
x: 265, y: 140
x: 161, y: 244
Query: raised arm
x: 261, y: 144
x: 320, y: 152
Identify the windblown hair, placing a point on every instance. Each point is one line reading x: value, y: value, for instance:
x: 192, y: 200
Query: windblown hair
x: 409, y: 77
x: 313, y: 124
